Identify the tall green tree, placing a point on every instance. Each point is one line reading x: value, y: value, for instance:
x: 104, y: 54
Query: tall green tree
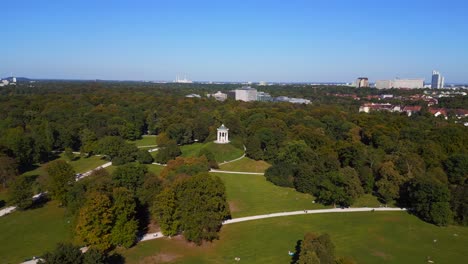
x: 130, y: 176
x: 95, y: 222
x: 63, y: 253
x: 429, y: 199
x: 8, y: 170
x: 124, y: 231
x: 61, y: 178
x: 20, y: 193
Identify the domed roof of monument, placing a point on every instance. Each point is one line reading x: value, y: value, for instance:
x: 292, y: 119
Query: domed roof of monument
x: 222, y: 127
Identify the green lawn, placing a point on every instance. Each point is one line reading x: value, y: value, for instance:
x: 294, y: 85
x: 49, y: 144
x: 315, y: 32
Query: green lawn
x: 32, y: 232
x: 80, y: 165
x: 379, y: 237
x: 222, y: 152
x: 253, y: 195
x: 156, y: 169
x: 146, y: 140
x: 246, y: 164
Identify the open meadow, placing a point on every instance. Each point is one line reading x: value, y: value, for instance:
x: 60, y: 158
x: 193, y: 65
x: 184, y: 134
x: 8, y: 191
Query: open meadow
x: 379, y: 237
x: 24, y: 234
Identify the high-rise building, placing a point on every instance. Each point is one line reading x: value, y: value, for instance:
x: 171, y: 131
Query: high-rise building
x: 437, y: 80
x: 362, y: 82
x: 400, y: 84
x: 246, y: 94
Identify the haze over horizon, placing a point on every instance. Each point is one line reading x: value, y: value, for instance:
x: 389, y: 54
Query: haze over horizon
x: 277, y: 41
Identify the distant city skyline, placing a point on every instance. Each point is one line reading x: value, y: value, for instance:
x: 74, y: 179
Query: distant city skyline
x: 273, y: 41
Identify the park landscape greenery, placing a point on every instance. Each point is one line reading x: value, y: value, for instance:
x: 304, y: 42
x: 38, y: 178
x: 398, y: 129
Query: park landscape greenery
x: 320, y: 155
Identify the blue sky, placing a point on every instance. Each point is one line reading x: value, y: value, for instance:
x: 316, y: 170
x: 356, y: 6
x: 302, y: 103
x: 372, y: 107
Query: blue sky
x: 294, y: 40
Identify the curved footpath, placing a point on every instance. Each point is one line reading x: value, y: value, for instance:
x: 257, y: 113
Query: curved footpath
x: 151, y: 236
x: 156, y: 235
x: 10, y: 209
x: 236, y: 172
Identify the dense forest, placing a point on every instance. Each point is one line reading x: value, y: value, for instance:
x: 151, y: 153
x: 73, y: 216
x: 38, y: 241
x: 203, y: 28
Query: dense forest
x: 326, y: 149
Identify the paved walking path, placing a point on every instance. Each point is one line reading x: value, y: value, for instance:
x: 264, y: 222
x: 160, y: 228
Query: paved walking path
x: 157, y: 235
x: 10, y: 209
x: 148, y: 146
x: 236, y: 172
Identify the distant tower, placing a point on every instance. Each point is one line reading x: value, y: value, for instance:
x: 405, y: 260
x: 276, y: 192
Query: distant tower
x: 437, y: 80
x: 13, y: 80
x: 222, y: 135
x: 362, y: 82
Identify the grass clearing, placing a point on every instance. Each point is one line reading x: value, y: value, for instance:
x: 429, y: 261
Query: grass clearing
x: 156, y: 169
x: 222, y: 152
x: 32, y: 232
x: 146, y: 140
x: 80, y: 165
x: 253, y: 195
x: 247, y: 165
x: 379, y: 237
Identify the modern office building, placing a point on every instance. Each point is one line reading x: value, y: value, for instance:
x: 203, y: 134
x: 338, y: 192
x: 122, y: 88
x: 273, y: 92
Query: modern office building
x: 219, y: 96
x: 246, y: 94
x: 437, y: 80
x: 264, y: 97
x: 400, y: 84
x: 362, y: 82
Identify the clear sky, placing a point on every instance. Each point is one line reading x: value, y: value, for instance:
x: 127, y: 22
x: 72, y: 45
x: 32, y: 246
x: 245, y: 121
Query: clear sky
x: 235, y: 40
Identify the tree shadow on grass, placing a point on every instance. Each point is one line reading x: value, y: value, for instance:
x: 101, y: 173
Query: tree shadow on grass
x: 295, y: 257
x: 39, y: 202
x: 115, y: 258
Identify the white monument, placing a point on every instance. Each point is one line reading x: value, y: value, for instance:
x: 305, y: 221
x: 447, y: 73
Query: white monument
x: 223, y: 135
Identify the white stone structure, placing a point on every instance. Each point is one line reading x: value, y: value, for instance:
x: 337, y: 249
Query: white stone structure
x: 246, y: 94
x: 400, y: 83
x: 222, y: 135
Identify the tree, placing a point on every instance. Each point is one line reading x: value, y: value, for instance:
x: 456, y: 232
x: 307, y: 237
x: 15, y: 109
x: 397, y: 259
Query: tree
x: 352, y: 184
x: 457, y: 168
x: 331, y: 190
x: 317, y: 249
x: 195, y: 206
x: 69, y: 154
x: 388, y: 185
x: 124, y: 231
x: 95, y: 220
x: 165, y: 154
x: 202, y: 207
x: 367, y: 179
x: 94, y: 256
x: 130, y: 176
x: 459, y: 203
x: 21, y: 193
x: 164, y: 209
x: 281, y: 174
x: 253, y: 146
x: 64, y: 253
x: 188, y: 166
x: 119, y: 151
x: 61, y: 179
x: 8, y: 169
x: 210, y: 157
x: 144, y: 157
x: 151, y: 187
x: 295, y: 152
x: 430, y: 200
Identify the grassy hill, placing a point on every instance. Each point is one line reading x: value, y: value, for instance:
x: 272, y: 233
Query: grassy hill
x: 222, y: 152
x: 247, y: 165
x: 253, y: 195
